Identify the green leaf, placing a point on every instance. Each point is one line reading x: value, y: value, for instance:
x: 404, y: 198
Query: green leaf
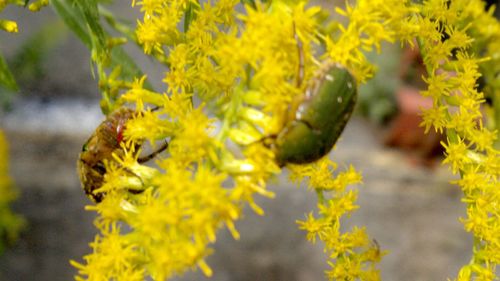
x: 73, y: 17
x: 251, y: 3
x: 91, y: 15
x: 6, y: 78
x: 83, y: 18
x: 188, y: 16
x: 130, y: 69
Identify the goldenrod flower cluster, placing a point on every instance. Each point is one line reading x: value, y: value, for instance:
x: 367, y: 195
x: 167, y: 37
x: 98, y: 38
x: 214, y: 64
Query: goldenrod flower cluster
x: 352, y: 255
x: 10, y: 25
x: 10, y: 223
x: 232, y: 72
x: 460, y: 42
x: 7, y: 25
x: 231, y: 76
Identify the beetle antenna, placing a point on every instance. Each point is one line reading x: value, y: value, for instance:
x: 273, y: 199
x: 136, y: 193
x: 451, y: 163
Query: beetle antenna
x: 153, y: 154
x: 300, y: 51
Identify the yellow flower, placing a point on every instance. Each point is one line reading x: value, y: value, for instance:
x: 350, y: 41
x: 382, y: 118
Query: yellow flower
x: 9, y: 26
x: 38, y: 5
x: 456, y: 154
x: 10, y: 223
x: 114, y: 257
x: 434, y: 117
x: 438, y: 86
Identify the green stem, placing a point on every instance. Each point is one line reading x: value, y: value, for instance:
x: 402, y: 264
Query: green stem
x: 496, y: 118
x: 190, y: 15
x: 321, y: 196
x: 118, y: 26
x: 230, y: 115
x: 421, y: 46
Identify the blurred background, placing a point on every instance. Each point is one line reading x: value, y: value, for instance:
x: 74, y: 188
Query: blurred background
x: 406, y: 201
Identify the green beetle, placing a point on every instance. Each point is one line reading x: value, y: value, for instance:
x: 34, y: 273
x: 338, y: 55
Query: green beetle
x: 319, y: 117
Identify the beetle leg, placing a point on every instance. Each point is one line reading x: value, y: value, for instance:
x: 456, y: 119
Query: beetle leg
x: 293, y: 124
x: 308, y: 125
x: 99, y: 167
x: 269, y: 141
x: 153, y: 154
x: 131, y: 190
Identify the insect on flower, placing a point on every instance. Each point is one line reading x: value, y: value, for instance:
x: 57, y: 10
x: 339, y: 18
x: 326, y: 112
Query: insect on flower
x: 102, y: 144
x: 318, y: 116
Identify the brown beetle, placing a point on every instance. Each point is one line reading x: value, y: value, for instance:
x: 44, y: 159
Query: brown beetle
x: 102, y: 144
